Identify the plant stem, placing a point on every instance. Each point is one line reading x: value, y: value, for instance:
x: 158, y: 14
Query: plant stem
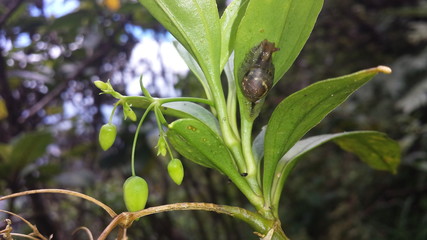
x: 136, y: 137
x: 246, y: 134
x: 231, y: 98
x: 110, y: 120
x: 186, y: 99
x: 230, y: 139
x: 63, y: 191
x: 258, y: 223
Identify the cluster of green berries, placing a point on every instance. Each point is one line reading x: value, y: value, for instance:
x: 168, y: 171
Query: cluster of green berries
x: 135, y: 188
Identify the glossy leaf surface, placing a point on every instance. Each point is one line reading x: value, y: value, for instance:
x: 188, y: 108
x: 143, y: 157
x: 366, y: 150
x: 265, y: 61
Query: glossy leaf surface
x: 287, y: 23
x: 230, y: 21
x: 198, y: 143
x: 196, y: 111
x: 303, y: 110
x: 195, y: 24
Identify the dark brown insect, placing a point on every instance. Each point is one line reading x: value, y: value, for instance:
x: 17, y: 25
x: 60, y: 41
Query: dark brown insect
x: 258, y: 71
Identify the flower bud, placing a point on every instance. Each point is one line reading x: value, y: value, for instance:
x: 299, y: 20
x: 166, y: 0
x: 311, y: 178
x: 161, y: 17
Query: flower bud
x: 176, y: 170
x: 161, y: 147
x: 101, y: 85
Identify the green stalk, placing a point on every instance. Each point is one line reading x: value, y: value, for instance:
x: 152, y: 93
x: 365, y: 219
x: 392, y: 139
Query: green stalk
x: 110, y: 120
x: 246, y: 134
x: 136, y: 137
x: 186, y: 99
x: 230, y: 139
x: 231, y: 99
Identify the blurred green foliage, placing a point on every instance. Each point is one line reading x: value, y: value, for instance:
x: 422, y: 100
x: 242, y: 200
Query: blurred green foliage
x: 330, y: 195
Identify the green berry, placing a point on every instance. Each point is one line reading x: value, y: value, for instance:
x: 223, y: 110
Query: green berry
x: 107, y: 135
x: 135, y: 193
x: 176, y: 170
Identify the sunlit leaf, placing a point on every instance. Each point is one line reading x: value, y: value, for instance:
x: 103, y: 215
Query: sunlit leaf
x: 196, y: 111
x: 195, y: 24
x: 198, y: 143
x: 230, y: 20
x: 287, y: 23
x: 303, y: 110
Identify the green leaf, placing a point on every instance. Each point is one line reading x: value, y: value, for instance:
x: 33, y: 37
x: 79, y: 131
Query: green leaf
x: 229, y: 21
x: 231, y: 95
x: 287, y: 23
x: 194, y: 67
x: 195, y: 111
x: 71, y: 21
x: 258, y: 145
x: 198, y: 143
x: 374, y: 148
x: 29, y: 147
x: 179, y: 109
x: 195, y: 24
x: 303, y: 110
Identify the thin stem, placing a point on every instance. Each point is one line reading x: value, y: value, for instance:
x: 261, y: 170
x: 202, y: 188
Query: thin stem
x: 136, y: 136
x: 255, y: 220
x: 84, y: 229
x: 114, y: 110
x: 186, y: 99
x: 231, y: 97
x: 62, y: 191
x: 143, y: 89
x: 23, y: 236
x: 34, y: 228
x: 162, y: 133
x: 232, y: 141
x: 229, y: 136
x: 251, y: 165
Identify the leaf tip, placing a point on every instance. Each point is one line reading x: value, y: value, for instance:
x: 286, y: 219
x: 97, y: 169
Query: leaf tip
x: 384, y: 69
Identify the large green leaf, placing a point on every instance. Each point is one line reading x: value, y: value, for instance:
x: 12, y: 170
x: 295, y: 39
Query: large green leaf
x: 303, y: 110
x: 287, y: 23
x: 195, y: 24
x: 198, y: 143
x: 230, y: 20
x: 374, y: 148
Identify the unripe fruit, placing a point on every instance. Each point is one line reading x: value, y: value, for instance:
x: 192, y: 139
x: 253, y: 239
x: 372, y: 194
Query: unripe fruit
x: 135, y: 193
x: 176, y: 170
x: 107, y: 135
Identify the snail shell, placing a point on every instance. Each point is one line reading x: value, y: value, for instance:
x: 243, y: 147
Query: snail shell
x: 258, y: 71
